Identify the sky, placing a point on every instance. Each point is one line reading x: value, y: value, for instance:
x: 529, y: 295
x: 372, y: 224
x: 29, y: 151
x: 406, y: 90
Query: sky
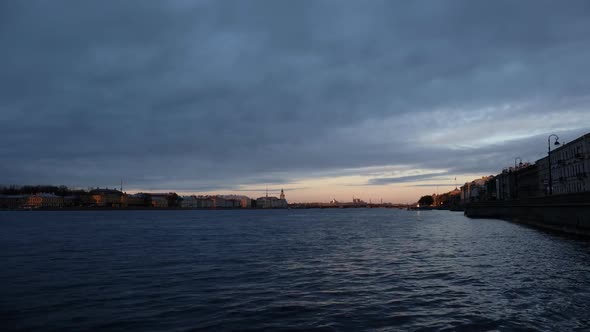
x: 326, y: 99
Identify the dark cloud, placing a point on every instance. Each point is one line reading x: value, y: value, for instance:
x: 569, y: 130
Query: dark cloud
x: 431, y: 185
x: 216, y: 94
x: 404, y: 179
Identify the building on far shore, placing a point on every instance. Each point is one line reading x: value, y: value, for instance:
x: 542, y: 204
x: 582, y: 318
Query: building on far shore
x: 218, y: 202
x: 106, y: 198
x: 238, y: 201
x: 27, y: 197
x: 271, y: 202
x: 204, y: 202
x: 45, y: 200
x: 13, y: 202
x: 245, y: 202
x: 189, y: 202
x: 139, y: 200
x: 158, y: 200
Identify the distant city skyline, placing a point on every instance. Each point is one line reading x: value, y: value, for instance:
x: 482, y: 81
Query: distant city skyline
x: 377, y: 100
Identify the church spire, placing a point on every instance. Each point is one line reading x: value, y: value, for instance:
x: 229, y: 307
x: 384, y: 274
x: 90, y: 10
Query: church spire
x: 282, y: 194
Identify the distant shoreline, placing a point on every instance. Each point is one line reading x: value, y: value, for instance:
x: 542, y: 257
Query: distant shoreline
x: 134, y: 209
x: 216, y: 209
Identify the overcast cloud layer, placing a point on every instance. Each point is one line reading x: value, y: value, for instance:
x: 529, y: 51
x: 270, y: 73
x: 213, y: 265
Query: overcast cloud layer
x: 223, y: 95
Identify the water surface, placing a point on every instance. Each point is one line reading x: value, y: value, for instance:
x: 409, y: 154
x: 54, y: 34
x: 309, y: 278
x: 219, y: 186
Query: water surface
x: 351, y: 269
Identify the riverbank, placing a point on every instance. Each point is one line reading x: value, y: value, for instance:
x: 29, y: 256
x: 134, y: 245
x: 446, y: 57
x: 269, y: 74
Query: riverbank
x: 565, y: 213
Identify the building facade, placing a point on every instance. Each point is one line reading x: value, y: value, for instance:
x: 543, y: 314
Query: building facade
x: 245, y: 203
x: 106, y: 198
x: 526, y: 181
x: 204, y: 202
x: 570, y: 167
x: 271, y: 202
x: 475, y: 190
x: 159, y: 201
x: 189, y: 202
x: 13, y: 202
x: 218, y: 202
x: 139, y: 200
x: 565, y: 171
x: 45, y: 201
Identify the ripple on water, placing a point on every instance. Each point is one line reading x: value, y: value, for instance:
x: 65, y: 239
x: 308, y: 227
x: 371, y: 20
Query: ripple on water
x: 310, y: 270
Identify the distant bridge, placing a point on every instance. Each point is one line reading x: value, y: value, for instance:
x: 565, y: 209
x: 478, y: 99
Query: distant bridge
x: 346, y: 205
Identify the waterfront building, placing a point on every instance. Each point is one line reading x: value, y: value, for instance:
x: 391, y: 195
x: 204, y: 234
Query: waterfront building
x: 45, y: 200
x: 491, y: 190
x: 570, y: 167
x: 13, y: 202
x: 106, y: 198
x: 218, y: 202
x: 522, y: 182
x: 569, y: 173
x: 245, y: 203
x: 189, y: 202
x: 159, y: 201
x: 271, y: 202
x: 543, y: 175
x: 526, y: 181
x: 204, y: 202
x: 505, y: 184
x: 138, y: 200
x: 72, y: 201
x: 475, y: 190
x: 173, y: 199
x: 265, y: 202
x: 238, y: 201
x: 233, y: 203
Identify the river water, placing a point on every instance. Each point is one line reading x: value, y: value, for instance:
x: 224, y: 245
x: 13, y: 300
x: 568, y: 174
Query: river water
x: 332, y: 270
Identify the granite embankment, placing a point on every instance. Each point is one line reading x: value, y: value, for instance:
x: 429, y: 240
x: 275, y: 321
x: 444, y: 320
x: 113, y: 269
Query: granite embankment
x: 567, y: 213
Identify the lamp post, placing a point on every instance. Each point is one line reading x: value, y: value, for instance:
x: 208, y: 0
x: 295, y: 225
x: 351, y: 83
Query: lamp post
x: 515, y: 192
x: 549, y: 159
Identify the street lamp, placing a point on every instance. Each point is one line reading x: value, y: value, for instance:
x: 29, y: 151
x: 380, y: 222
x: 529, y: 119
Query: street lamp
x: 549, y: 159
x: 516, y: 176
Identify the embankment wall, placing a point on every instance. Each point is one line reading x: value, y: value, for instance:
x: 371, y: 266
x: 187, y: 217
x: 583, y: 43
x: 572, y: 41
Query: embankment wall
x: 567, y: 213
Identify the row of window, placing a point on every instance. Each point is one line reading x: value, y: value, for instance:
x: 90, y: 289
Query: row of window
x: 574, y: 187
x: 570, y: 153
x: 571, y: 170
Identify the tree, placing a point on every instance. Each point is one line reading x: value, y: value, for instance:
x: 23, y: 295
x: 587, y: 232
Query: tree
x: 426, y: 200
